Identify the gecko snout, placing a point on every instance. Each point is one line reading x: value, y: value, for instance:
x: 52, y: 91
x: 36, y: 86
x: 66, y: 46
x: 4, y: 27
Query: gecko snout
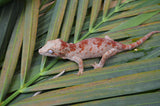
x: 40, y: 51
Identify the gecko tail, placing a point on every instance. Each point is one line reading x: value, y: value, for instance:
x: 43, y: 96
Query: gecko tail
x: 139, y: 42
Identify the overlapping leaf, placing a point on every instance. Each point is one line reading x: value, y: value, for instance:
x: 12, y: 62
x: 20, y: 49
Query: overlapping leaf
x: 134, y: 21
x: 30, y: 26
x: 12, y: 56
x: 68, y: 21
x: 95, y: 10
x: 56, y: 20
x: 96, y: 75
x: 142, y: 99
x: 99, y: 89
x: 81, y: 14
x: 8, y: 15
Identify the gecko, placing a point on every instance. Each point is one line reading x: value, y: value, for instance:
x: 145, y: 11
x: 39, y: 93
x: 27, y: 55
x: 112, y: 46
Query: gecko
x: 88, y: 48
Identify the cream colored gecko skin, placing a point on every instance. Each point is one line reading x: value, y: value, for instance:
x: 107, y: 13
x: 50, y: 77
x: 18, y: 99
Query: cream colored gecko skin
x: 88, y: 48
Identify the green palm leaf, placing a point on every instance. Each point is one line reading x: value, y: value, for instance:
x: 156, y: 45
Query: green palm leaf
x: 69, y: 18
x: 96, y: 75
x: 31, y: 15
x: 99, y: 89
x: 141, y: 99
x: 124, y: 77
x: 11, y: 57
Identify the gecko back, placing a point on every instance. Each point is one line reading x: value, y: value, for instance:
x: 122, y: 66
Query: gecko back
x: 92, y: 47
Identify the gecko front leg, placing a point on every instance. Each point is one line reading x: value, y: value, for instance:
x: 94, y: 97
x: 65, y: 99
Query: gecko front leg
x: 79, y: 61
x: 105, y: 56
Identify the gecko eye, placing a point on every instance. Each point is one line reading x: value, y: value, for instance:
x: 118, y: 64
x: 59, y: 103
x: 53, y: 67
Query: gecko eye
x: 50, y: 51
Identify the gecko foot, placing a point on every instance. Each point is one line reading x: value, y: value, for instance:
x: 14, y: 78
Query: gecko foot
x: 80, y: 73
x: 95, y: 65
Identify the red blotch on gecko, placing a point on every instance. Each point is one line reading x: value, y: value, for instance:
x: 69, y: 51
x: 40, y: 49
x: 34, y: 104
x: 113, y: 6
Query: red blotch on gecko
x: 63, y: 44
x: 83, y: 44
x: 72, y: 47
x: 88, y: 48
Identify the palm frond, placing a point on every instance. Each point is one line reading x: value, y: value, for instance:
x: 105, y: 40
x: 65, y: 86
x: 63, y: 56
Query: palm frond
x: 124, y: 78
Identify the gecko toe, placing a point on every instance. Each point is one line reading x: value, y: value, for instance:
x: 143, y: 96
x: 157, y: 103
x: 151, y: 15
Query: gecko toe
x: 95, y: 65
x: 80, y: 73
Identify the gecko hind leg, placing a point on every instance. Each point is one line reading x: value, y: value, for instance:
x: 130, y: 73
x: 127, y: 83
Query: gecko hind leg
x: 105, y: 56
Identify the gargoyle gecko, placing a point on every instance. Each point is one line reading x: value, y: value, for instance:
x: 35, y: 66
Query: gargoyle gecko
x: 88, y: 48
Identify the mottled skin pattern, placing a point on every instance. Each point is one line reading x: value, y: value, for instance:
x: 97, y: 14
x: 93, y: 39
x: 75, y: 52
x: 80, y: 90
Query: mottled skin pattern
x: 88, y: 48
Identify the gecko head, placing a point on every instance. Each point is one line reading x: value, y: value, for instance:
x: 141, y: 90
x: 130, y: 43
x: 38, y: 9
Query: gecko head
x: 51, y: 48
